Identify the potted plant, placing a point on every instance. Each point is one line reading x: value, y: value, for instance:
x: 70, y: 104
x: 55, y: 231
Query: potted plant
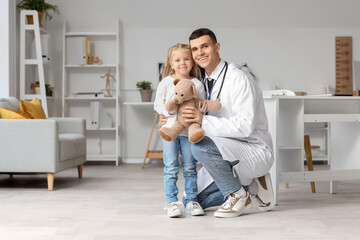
x: 145, y: 90
x: 36, y: 87
x: 39, y: 5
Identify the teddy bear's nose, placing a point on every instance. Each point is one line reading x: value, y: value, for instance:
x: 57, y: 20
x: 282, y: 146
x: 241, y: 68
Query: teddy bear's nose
x: 176, y: 100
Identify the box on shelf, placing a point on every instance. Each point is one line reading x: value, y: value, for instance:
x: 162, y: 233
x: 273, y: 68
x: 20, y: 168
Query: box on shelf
x: 78, y: 51
x: 99, y: 118
x: 45, y: 48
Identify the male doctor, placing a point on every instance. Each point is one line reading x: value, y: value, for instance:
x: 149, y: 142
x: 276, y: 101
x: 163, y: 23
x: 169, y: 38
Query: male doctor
x: 236, y: 152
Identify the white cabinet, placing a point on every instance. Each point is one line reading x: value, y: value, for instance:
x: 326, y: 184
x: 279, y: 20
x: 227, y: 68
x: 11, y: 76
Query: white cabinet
x: 286, y: 118
x: 86, y: 83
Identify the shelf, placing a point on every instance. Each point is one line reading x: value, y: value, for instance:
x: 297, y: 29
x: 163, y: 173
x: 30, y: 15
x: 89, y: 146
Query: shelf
x: 31, y: 62
x: 324, y: 158
x: 73, y: 34
x: 100, y: 129
x: 285, y: 147
x: 78, y: 92
x: 101, y: 157
x: 316, y: 128
x: 92, y: 66
x: 139, y: 103
x: 89, y: 98
x: 32, y: 27
x: 331, y: 117
x: 32, y: 96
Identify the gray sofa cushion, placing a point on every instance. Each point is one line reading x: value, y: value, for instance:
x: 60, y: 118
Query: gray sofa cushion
x: 72, y: 145
x: 10, y: 103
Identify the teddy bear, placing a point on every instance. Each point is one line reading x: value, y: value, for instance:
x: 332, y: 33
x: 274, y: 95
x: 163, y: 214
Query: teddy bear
x: 184, y: 95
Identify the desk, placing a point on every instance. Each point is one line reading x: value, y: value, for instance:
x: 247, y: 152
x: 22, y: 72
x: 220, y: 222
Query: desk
x: 286, y: 117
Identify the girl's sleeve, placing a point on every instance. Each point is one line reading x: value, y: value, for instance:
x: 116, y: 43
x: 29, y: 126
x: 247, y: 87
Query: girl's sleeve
x: 200, y: 90
x: 160, y: 99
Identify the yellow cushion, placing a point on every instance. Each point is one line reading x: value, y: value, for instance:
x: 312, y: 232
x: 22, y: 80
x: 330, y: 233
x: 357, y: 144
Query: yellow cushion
x: 33, y: 108
x: 12, y: 114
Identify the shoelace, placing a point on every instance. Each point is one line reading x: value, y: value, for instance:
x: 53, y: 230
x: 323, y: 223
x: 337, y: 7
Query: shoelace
x: 228, y: 202
x: 194, y: 205
x: 261, y: 202
x: 172, y: 205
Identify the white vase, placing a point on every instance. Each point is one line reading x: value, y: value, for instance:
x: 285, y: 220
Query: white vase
x: 37, y: 90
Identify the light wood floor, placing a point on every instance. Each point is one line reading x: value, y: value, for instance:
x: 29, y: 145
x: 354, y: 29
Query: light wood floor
x: 126, y: 202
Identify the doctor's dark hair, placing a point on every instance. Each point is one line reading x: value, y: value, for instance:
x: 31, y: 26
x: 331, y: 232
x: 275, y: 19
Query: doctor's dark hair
x: 168, y: 70
x: 202, y: 32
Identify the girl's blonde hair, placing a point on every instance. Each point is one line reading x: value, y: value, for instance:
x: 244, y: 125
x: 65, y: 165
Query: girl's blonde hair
x: 168, y: 70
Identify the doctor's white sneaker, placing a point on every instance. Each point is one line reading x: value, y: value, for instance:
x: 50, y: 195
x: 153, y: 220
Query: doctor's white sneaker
x: 234, y: 206
x: 174, y: 209
x: 265, y: 194
x: 194, y: 209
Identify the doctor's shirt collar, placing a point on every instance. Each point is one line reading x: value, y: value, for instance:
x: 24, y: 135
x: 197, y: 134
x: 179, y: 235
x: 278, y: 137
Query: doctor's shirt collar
x: 217, y: 70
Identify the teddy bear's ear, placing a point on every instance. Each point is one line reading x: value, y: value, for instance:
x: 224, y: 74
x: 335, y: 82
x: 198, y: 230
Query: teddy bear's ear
x: 176, y: 81
x: 193, y: 89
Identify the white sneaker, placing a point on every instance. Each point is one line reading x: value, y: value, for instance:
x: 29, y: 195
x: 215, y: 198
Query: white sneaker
x: 265, y: 195
x: 234, y: 206
x: 194, y: 209
x: 174, y: 209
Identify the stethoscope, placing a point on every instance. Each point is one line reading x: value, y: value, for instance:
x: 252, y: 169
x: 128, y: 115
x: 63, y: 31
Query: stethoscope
x: 209, y: 91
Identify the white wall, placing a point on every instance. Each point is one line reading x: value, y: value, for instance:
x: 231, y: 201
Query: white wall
x: 287, y: 43
x: 7, y: 48
x: 4, y: 49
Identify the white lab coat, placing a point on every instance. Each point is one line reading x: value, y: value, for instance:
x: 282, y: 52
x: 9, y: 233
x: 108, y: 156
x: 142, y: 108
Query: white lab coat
x: 239, y: 128
x: 165, y: 92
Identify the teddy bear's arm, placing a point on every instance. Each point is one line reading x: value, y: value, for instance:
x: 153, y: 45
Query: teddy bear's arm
x: 213, y: 106
x: 207, y: 105
x: 199, y: 102
x: 171, y: 106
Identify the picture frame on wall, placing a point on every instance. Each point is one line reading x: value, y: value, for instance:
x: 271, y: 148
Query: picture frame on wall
x: 161, y: 66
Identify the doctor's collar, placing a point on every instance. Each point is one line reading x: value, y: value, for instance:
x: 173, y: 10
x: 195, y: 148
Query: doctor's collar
x: 217, y: 70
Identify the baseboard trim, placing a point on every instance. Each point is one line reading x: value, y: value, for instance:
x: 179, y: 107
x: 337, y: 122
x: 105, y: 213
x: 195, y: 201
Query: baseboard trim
x: 140, y: 160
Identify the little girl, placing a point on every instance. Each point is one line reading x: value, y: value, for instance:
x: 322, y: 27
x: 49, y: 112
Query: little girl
x: 179, y: 65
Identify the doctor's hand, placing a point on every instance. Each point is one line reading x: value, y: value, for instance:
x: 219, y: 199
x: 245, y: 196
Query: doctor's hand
x: 163, y: 120
x: 192, y: 115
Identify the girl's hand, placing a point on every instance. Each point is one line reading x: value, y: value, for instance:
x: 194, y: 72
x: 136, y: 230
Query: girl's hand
x: 192, y: 115
x: 162, y: 120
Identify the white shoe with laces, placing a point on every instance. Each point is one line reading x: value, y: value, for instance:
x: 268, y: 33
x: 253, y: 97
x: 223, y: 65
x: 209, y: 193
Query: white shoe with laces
x: 234, y: 206
x: 265, y: 193
x: 174, y: 209
x: 194, y: 209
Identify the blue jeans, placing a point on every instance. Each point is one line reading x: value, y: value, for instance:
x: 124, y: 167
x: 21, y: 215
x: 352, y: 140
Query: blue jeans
x: 220, y: 170
x: 211, y: 196
x: 171, y: 169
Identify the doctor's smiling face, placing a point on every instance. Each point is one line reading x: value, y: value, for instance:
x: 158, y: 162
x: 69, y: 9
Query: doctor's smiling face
x: 205, y: 53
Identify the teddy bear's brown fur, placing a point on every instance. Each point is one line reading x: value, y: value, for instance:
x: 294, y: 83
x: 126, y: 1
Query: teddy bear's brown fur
x: 184, y: 95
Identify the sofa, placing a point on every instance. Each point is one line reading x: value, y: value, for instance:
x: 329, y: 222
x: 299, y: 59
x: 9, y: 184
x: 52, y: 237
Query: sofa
x: 44, y: 146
